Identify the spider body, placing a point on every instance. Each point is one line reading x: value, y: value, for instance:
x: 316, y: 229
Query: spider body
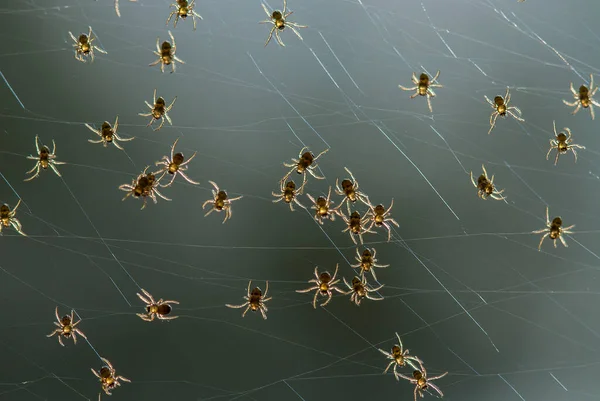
x: 554, y: 230
x: 562, y: 144
x: 501, y: 108
x: 421, y: 381
x: 485, y: 186
x: 323, y: 284
x: 175, y: 165
x: 44, y: 159
x: 108, y: 378
x: 155, y: 309
x: 356, y: 226
x: 166, y: 54
x: 367, y: 262
x: 360, y: 289
x: 144, y: 186
x: 159, y: 111
x: 220, y: 202
x: 289, y: 194
x: 84, y: 46
x: 66, y: 328
x: 108, y: 134
x: 380, y: 217
x: 305, y: 163
x: 584, y: 97
x: 350, y: 191
x: 279, y: 21
x: 8, y: 219
x: 323, y: 209
x: 255, y: 300
x: 183, y: 9
x: 399, y: 357
x: 422, y: 87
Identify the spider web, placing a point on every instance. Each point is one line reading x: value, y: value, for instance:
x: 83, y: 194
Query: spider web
x: 467, y: 289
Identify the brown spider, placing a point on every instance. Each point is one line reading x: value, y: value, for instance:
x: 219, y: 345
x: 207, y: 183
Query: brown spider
x: 289, y: 194
x: 84, y: 46
x: 423, y: 87
x: 421, y: 381
x: 323, y: 209
x: 380, y: 217
x: 584, y: 98
x: 324, y: 284
x: 562, y: 144
x: 279, y: 21
x: 145, y: 185
x: 118, y: 10
x: 356, y: 225
x: 7, y: 218
x: 183, y: 9
x: 220, y: 202
x: 367, y: 262
x: 108, y: 134
x: 255, y: 300
x: 399, y: 357
x: 166, y: 54
x: 44, y: 159
x: 108, y: 377
x: 306, y: 162
x: 485, y: 186
x: 349, y: 190
x: 175, y: 166
x: 156, y: 309
x: 66, y: 327
x: 554, y: 230
x: 501, y: 108
x: 159, y: 111
x: 360, y: 289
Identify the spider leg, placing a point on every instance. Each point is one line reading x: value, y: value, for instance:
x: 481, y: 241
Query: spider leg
x: 263, y: 312
x: 292, y: 27
x: 433, y: 386
x: 407, y: 89
x: 53, y: 167
x: 60, y: 340
x: 414, y: 95
x: 493, y: 118
x: 489, y: 101
x: 166, y: 116
x: 515, y: 116
x: 557, y: 155
x: 542, y: 240
x: 278, y: 38
x: 576, y: 108
x: 414, y: 79
x: 429, y: 103
x: 266, y: 11
x: 329, y: 297
x: 188, y: 179
x: 311, y: 172
x: 270, y: 35
x: 591, y: 107
x: 550, y: 150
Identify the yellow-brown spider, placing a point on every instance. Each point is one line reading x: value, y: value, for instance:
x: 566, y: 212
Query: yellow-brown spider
x: 323, y: 209
x: 306, y: 162
x: 176, y: 165
x: 45, y: 159
x: 108, y: 377
x: 144, y: 186
x: 8, y: 219
x: 183, y: 9
x: 584, y: 98
x: 423, y: 87
x: 349, y: 190
x: 84, y: 46
x: 289, y: 194
x: 155, y: 309
x: 554, y: 229
x: 361, y: 289
x: 380, y: 217
x: 367, y: 262
x: 356, y: 226
x: 166, y: 54
x: 158, y: 111
x: 255, y: 301
x: 108, y: 134
x: 485, y: 186
x: 66, y: 327
x: 280, y: 22
x: 562, y: 144
x: 399, y: 357
x: 325, y: 283
x: 501, y: 108
x: 220, y: 202
x: 421, y: 381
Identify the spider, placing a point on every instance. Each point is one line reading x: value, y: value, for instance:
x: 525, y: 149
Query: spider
x: 156, y: 309
x: 108, y: 377
x: 278, y: 19
x: 44, y: 159
x: 159, y: 111
x: 84, y: 46
x: 108, y: 134
x: 423, y: 87
x: 367, y: 262
x: 220, y: 202
x: 255, y: 300
x: 183, y: 9
x: 421, y: 381
x: 7, y: 218
x: 349, y: 190
x: 360, y: 289
x: 399, y: 357
x: 485, y: 186
x: 584, y: 98
x: 145, y: 185
x: 166, y: 54
x: 306, y: 162
x: 289, y: 194
x: 175, y: 166
x: 118, y: 10
x: 554, y: 230
x: 356, y: 226
x: 323, y: 208
x: 562, y: 144
x: 324, y: 285
x: 379, y: 216
x: 66, y: 327
x: 500, y: 106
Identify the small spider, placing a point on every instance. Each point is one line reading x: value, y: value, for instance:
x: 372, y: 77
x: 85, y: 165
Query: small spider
x: 108, y: 377
x: 44, y: 159
x: 156, y: 309
x: 306, y: 162
x: 349, y: 190
x: 84, y: 46
x: 159, y: 111
x: 421, y: 381
x: 66, y: 327
x: 356, y: 225
x: 501, y: 108
x: 399, y: 357
x: 380, y: 217
x: 322, y: 207
x: 367, y: 262
x: 117, y: 8
x: 289, y: 194
x: 255, y: 300
x: 360, y: 289
x: 324, y: 285
x: 175, y: 166
x: 7, y: 218
x: 166, y: 54
x: 485, y: 186
x: 562, y: 144
x: 108, y: 134
x: 584, y: 98
x: 423, y: 87
x: 183, y: 9
x: 220, y: 202
x: 145, y: 185
x: 279, y: 21
x: 554, y: 230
